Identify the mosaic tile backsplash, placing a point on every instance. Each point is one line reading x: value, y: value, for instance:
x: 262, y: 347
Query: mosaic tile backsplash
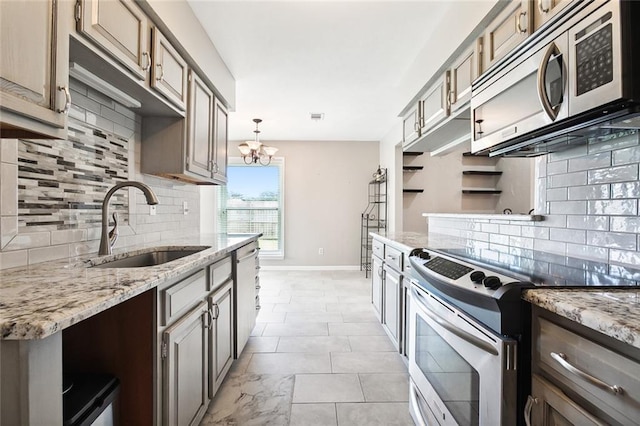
x: 590, y: 197
x: 51, y: 191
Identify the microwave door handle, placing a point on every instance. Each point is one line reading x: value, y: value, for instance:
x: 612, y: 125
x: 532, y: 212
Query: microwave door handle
x: 470, y: 338
x: 542, y: 73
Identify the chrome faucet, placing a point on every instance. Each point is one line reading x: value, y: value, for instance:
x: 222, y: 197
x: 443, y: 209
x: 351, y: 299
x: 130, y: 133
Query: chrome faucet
x: 108, y: 239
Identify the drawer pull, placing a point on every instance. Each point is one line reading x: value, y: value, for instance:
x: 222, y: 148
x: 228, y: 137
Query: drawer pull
x: 252, y: 254
x: 562, y: 360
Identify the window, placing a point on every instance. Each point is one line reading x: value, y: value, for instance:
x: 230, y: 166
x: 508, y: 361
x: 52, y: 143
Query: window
x: 252, y: 202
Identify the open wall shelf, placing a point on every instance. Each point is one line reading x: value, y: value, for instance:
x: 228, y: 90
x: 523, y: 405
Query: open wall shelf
x: 412, y: 191
x: 482, y: 172
x: 481, y: 191
x: 412, y: 168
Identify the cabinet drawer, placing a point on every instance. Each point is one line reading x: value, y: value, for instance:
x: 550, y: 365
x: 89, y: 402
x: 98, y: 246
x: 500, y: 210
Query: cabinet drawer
x: 377, y: 248
x: 393, y: 257
x: 556, y: 346
x: 181, y: 296
x: 220, y: 272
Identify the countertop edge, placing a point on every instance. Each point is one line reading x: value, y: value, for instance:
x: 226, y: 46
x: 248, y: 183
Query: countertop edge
x: 510, y: 217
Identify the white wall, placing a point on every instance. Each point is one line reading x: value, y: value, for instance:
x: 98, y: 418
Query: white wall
x: 325, y: 192
x: 391, y: 159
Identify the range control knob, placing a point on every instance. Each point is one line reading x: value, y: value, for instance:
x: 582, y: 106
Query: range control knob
x: 492, y: 282
x: 424, y: 255
x: 477, y: 276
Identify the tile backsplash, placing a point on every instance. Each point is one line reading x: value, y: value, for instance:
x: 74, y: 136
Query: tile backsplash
x: 590, y: 197
x: 51, y: 191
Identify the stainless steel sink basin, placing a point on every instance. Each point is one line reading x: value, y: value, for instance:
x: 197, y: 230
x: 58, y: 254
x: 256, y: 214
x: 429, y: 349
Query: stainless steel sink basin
x: 151, y: 258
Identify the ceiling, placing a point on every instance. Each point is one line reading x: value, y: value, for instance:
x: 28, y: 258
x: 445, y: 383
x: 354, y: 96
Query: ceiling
x: 357, y: 62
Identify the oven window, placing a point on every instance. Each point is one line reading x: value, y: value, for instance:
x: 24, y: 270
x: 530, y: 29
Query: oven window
x: 455, y: 381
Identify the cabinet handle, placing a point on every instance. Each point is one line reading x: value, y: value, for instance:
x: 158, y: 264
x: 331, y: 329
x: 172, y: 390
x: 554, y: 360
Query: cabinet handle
x: 527, y: 409
x: 161, y: 76
x: 216, y: 168
x: 252, y: 254
x: 561, y: 359
x: 67, y: 103
x: 146, y: 61
x: 217, y: 312
x: 211, y: 318
x: 519, y: 28
x: 380, y: 272
x: 541, y: 8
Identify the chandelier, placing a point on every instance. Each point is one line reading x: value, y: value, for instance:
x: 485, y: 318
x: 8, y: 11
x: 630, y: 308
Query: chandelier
x: 254, y: 151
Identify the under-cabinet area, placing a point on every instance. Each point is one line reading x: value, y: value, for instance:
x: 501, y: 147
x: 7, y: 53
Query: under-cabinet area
x: 167, y: 349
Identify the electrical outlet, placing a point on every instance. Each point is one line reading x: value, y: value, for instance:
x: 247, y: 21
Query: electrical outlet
x: 320, y: 251
x: 185, y: 208
x: 152, y: 210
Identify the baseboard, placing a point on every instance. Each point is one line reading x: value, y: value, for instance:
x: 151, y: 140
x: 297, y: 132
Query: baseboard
x: 311, y: 268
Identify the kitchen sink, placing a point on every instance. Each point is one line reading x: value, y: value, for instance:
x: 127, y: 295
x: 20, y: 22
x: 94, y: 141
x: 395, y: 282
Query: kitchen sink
x: 151, y: 258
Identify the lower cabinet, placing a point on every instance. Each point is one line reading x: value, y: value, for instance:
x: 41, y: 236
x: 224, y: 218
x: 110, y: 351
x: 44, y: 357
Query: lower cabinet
x: 246, y: 300
x: 185, y: 365
x: 221, y: 336
x: 391, y: 317
x: 377, y: 277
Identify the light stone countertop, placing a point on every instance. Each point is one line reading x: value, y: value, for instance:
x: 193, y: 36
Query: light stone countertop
x: 491, y: 216
x: 39, y: 300
x: 613, y: 312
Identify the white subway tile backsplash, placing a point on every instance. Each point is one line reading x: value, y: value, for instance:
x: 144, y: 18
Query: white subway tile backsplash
x: 612, y: 240
x: 558, y: 167
x: 100, y: 98
x: 87, y: 104
x: 599, y: 223
x: 515, y: 230
x: 578, y: 151
x: 613, y: 143
x: 558, y: 194
x: 613, y: 207
x: 44, y: 254
x: 568, y: 235
x: 536, y: 232
x: 625, y: 224
x: 582, y: 251
x: 593, y: 161
x: 589, y: 192
x: 614, y: 174
x: 568, y: 179
x: 68, y: 236
x: 625, y: 190
x: 557, y: 247
x: 14, y: 259
x: 624, y: 257
x: 8, y: 229
x: 567, y: 207
x: 626, y: 156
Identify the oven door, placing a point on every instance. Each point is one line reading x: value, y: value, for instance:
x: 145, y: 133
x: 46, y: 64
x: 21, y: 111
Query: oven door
x: 463, y: 373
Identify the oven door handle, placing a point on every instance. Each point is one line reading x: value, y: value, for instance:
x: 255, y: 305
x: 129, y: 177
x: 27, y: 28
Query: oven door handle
x: 413, y: 400
x: 470, y: 338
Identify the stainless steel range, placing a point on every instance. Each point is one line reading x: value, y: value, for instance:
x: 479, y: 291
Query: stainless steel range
x: 467, y: 341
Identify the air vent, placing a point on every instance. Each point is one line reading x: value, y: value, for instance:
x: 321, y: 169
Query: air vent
x: 317, y: 116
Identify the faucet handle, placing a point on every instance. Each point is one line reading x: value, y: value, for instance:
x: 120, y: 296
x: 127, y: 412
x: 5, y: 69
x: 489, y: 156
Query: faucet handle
x: 114, y: 233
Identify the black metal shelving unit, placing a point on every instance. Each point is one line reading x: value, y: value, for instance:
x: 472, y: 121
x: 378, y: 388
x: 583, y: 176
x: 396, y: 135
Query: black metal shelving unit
x: 374, y: 217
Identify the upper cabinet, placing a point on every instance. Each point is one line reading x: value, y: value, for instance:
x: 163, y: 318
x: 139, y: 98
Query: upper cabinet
x: 434, y: 104
x: 169, y: 73
x: 411, y: 124
x: 221, y: 129
x: 510, y: 28
x: 120, y: 28
x: 544, y: 10
x: 463, y: 71
x: 34, y: 88
x: 200, y: 117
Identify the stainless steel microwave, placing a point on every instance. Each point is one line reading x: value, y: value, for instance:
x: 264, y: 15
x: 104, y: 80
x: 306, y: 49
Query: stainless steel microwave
x: 576, y: 79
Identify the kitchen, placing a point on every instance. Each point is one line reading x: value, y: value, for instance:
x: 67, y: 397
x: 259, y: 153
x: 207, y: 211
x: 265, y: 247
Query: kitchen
x: 602, y: 228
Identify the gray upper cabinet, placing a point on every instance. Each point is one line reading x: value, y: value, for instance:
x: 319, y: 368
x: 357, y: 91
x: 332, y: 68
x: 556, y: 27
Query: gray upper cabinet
x: 463, y: 71
x: 411, y: 124
x: 34, y: 92
x: 221, y: 131
x: 435, y: 104
x: 509, y: 29
x: 200, y: 127
x: 169, y: 73
x: 185, y: 345
x: 121, y: 28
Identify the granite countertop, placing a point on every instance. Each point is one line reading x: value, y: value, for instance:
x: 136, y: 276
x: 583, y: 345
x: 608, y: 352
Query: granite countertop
x: 615, y: 313
x: 490, y: 216
x: 39, y: 300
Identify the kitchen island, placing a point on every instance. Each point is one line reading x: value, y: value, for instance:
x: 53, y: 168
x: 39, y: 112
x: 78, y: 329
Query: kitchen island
x: 76, y: 315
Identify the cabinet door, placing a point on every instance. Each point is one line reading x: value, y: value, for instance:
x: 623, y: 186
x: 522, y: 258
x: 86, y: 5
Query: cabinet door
x: 169, y: 71
x: 435, y: 104
x: 377, y: 277
x: 391, y: 315
x: 245, y: 296
x: 544, y: 10
x: 508, y: 30
x: 463, y: 72
x: 121, y: 28
x: 221, y: 123
x: 34, y: 69
x: 551, y: 407
x: 200, y: 127
x: 411, y: 125
x: 221, y: 339
x: 185, y: 346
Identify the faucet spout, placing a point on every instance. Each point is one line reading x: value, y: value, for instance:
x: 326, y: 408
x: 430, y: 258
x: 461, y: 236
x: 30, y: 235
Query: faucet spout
x: 107, y: 241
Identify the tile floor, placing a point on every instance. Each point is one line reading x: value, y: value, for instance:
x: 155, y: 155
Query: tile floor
x: 318, y: 356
